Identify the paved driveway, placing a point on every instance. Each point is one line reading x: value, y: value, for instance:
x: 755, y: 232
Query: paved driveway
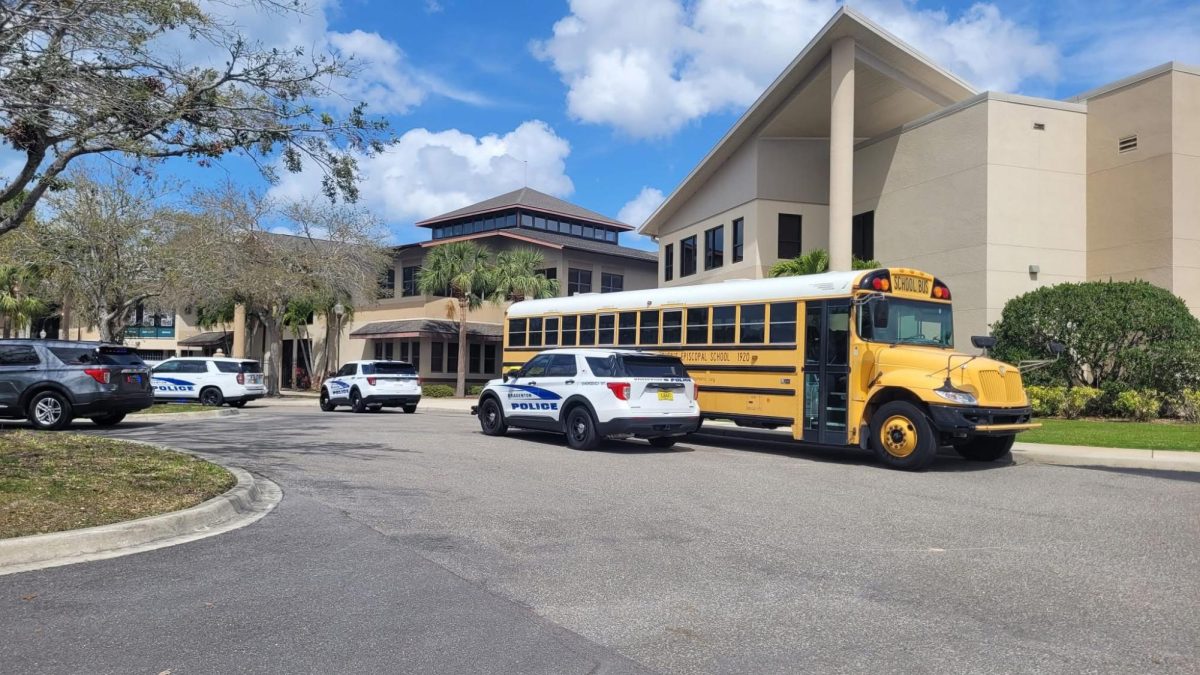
x: 413, y: 543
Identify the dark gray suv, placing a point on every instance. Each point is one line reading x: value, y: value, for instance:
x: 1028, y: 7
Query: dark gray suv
x: 51, y: 382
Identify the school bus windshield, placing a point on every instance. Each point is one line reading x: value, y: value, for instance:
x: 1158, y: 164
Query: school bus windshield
x: 897, y: 321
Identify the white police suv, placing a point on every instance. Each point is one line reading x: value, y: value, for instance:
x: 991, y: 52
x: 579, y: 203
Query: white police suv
x: 591, y: 394
x: 211, y: 380
x: 372, y: 385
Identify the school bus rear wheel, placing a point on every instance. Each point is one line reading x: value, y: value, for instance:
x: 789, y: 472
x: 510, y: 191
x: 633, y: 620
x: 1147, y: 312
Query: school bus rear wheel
x: 902, y: 436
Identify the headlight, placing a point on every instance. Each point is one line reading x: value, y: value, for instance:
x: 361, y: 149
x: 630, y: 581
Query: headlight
x: 956, y: 396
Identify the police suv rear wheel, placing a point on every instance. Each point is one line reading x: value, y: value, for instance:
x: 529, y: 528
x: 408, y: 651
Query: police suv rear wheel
x: 211, y: 396
x: 356, y: 402
x: 581, y: 429
x: 410, y: 409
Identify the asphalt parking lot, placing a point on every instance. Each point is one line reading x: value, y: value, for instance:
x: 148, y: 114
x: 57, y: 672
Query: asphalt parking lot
x: 413, y: 543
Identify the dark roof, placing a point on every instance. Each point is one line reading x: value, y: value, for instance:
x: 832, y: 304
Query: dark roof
x: 427, y: 326
x: 530, y: 199
x: 207, y: 339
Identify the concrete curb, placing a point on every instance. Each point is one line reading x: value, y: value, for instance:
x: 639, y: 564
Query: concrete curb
x: 251, y: 499
x: 197, y: 415
x: 1116, y: 458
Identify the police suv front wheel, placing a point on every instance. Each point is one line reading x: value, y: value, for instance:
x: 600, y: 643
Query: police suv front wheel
x: 491, y: 418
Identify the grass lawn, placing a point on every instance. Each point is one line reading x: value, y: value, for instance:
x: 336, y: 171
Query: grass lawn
x: 159, y: 408
x: 1116, y: 434
x: 54, y: 481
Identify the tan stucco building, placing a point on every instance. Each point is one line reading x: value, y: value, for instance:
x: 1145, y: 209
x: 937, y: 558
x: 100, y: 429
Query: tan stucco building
x: 865, y: 147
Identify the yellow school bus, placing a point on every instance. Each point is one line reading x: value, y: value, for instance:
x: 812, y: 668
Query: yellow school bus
x: 862, y: 358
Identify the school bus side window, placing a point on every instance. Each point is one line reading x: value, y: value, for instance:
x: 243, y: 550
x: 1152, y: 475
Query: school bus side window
x: 752, y: 324
x: 697, y: 325
x: 551, y: 332
x: 627, y: 328
x: 535, y: 332
x: 672, y: 327
x: 607, y: 321
x: 724, y: 324
x: 649, y: 331
x: 569, y: 324
x: 587, y: 330
x: 516, y: 332
x: 783, y: 322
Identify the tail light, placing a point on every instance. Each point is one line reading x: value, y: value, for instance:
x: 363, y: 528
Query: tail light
x: 420, y: 380
x: 371, y: 381
x: 241, y: 378
x: 620, y: 390
x: 101, y: 375
x: 695, y: 391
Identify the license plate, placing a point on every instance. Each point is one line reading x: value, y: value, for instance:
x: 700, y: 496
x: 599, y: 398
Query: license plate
x: 133, y: 379
x: 910, y: 284
x: 666, y: 396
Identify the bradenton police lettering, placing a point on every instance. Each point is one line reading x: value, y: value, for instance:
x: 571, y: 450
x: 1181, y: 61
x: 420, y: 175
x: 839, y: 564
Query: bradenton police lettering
x: 532, y: 405
x: 912, y: 284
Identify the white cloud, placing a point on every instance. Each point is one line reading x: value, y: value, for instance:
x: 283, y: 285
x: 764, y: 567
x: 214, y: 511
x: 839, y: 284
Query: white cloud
x: 637, y: 210
x: 650, y: 72
x: 1105, y: 41
x: 384, y: 78
x: 431, y: 172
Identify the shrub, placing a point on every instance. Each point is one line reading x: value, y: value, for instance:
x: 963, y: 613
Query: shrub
x: 437, y: 391
x: 1046, y: 401
x: 1077, y: 399
x: 475, y: 390
x: 1127, y: 332
x: 1188, y: 405
x: 1140, y: 406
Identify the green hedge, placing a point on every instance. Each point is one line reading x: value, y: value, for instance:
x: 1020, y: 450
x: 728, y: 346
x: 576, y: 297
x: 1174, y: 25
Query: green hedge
x: 1139, y: 406
x: 437, y: 391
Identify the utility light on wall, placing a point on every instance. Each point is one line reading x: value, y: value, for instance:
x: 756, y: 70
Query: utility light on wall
x: 1033, y: 271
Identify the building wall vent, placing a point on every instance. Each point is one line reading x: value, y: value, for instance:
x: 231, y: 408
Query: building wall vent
x: 1127, y: 144
x: 1039, y: 126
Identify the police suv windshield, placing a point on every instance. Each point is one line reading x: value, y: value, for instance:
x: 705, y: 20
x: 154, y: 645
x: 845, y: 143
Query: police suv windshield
x: 898, y: 321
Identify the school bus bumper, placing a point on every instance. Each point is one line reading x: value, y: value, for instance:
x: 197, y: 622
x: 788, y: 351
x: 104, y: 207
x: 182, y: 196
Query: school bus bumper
x: 962, y: 421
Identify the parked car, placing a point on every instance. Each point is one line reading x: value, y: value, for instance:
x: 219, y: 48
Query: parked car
x: 591, y: 394
x: 372, y: 386
x: 52, y: 382
x: 211, y: 380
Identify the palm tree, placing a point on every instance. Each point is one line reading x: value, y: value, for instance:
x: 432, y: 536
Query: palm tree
x: 815, y: 261
x: 17, y: 306
x: 518, y: 278
x: 464, y: 271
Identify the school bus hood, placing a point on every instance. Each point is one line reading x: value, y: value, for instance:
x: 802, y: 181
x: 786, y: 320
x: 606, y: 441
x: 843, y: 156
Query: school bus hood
x: 994, y: 384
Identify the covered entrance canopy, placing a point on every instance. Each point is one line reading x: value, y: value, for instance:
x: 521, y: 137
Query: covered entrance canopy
x: 431, y: 328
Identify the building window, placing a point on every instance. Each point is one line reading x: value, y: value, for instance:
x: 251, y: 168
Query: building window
x: 578, y: 281
x: 473, y: 358
x: 549, y: 272
x: 435, y: 355
x: 451, y: 357
x: 789, y: 235
x: 862, y: 243
x: 669, y: 262
x: 489, y: 359
x: 611, y: 283
x: 714, y: 247
x: 408, y: 281
x: 383, y: 351
x: 415, y: 357
x: 627, y: 328
x: 387, y: 285
x: 687, y: 256
x: 739, y: 239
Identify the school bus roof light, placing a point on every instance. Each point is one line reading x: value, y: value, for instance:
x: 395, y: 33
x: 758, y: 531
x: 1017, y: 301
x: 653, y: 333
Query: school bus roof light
x: 877, y: 281
x: 880, y: 284
x: 940, y: 291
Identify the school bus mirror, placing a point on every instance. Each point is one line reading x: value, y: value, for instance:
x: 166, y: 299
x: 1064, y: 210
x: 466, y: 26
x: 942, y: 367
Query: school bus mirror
x: 983, y: 341
x: 879, y: 313
x: 1055, y: 347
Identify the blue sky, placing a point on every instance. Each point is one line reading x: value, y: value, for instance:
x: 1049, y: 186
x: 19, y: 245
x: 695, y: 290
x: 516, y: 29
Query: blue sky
x: 609, y: 103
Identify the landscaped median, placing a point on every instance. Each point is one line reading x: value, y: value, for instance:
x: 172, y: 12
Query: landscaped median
x: 69, y: 498
x: 53, y: 482
x: 175, y: 408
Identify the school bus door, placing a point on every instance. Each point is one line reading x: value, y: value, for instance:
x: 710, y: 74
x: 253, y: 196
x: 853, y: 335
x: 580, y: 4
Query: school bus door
x: 825, y: 395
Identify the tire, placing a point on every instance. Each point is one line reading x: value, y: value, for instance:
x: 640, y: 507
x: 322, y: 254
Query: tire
x: 581, y: 429
x: 491, y: 418
x: 662, y: 441
x: 410, y: 409
x: 109, y: 420
x: 375, y: 407
x: 238, y: 404
x: 902, y: 436
x: 49, y: 410
x: 211, y: 396
x: 326, y: 404
x: 985, y: 448
x: 356, y: 402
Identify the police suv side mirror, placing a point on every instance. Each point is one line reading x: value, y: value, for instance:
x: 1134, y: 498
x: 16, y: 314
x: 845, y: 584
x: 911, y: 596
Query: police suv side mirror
x: 1055, y: 347
x: 983, y: 341
x: 511, y: 374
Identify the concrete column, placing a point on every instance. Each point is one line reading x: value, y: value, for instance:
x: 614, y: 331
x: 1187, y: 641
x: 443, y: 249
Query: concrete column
x: 239, y: 332
x: 841, y: 155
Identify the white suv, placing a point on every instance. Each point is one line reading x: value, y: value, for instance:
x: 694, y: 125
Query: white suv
x: 591, y: 394
x: 372, y: 385
x: 212, y: 380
